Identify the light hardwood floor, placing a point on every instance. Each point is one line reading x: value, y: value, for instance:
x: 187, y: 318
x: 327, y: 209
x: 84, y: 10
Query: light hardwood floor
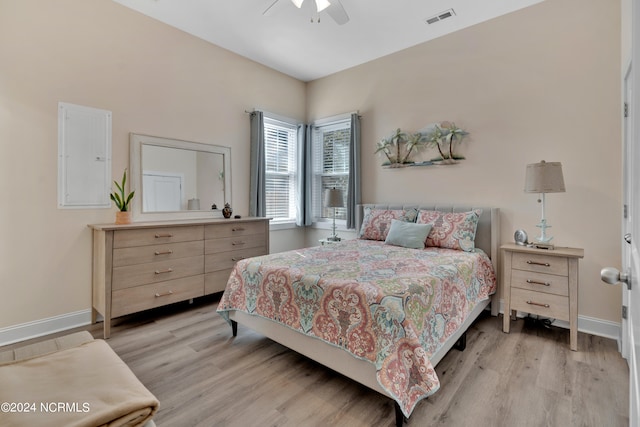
x: 186, y: 356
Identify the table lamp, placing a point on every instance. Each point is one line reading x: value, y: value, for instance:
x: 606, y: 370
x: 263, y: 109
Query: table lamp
x: 543, y: 178
x: 333, y: 199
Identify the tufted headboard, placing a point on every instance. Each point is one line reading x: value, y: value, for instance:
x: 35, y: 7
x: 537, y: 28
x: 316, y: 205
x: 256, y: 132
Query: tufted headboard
x: 487, y: 234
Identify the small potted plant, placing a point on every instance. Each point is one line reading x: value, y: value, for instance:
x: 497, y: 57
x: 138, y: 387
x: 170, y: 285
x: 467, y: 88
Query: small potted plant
x: 123, y: 216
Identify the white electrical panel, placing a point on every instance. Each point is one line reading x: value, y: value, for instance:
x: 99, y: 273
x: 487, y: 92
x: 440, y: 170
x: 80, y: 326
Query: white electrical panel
x: 84, y: 157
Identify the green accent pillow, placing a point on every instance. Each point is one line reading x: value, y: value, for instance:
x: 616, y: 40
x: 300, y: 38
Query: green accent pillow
x: 407, y: 234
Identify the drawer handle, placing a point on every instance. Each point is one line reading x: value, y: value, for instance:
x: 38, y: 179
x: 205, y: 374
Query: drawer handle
x: 237, y: 229
x: 164, y: 235
x: 544, y: 264
x: 168, y: 270
x: 237, y: 258
x: 537, y: 303
x: 534, y: 282
x: 169, y: 252
x: 237, y: 243
x: 164, y: 294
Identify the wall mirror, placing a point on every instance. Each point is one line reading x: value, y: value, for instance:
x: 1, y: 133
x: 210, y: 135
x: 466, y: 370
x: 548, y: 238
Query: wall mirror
x: 176, y: 179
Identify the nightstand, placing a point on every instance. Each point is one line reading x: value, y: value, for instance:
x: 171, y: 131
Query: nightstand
x: 542, y: 282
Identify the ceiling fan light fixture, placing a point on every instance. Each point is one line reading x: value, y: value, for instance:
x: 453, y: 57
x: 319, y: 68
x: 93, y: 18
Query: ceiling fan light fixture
x: 322, y: 5
x: 298, y: 3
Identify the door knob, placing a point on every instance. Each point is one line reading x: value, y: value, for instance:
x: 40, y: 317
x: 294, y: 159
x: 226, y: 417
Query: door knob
x: 627, y: 238
x: 612, y: 276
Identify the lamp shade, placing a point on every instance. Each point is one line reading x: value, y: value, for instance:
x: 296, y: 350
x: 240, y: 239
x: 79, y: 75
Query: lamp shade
x: 333, y: 198
x: 544, y: 177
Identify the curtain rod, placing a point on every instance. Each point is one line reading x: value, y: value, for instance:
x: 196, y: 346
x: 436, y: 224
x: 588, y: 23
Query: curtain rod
x: 326, y: 118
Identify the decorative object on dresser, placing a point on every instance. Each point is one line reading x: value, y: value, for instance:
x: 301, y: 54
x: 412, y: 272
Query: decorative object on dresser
x: 541, y: 282
x: 544, y: 177
x: 122, y: 200
x: 227, y: 211
x: 150, y: 264
x: 333, y: 198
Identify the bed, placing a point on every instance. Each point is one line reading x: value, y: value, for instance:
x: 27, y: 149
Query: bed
x: 375, y: 308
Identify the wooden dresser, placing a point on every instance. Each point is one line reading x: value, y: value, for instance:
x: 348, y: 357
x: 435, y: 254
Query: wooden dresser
x: 150, y: 264
x: 542, y: 282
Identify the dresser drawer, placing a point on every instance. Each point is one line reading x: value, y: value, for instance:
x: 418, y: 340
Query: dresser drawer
x: 154, y: 236
x: 141, y: 274
x: 540, y: 282
x: 225, y: 244
x: 140, y: 298
x: 540, y: 303
x: 216, y: 281
x: 540, y: 263
x: 154, y: 253
x: 226, y: 260
x: 213, y: 231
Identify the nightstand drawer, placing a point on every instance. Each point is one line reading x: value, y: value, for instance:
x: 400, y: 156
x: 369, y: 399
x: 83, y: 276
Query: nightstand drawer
x: 541, y: 263
x: 540, y: 282
x: 540, y: 303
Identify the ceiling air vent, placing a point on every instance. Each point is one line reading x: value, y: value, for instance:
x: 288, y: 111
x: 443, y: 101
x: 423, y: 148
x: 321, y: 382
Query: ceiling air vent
x: 439, y: 17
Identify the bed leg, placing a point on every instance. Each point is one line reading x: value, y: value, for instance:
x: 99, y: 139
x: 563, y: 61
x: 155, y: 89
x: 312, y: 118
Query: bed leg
x: 399, y: 415
x: 461, y: 344
x: 234, y: 328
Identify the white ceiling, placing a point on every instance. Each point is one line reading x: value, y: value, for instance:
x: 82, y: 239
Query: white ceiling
x: 287, y: 41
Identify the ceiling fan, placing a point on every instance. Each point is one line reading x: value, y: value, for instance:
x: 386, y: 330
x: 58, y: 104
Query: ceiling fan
x: 333, y: 7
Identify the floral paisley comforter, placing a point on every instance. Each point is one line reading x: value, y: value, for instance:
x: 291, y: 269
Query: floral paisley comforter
x: 389, y: 305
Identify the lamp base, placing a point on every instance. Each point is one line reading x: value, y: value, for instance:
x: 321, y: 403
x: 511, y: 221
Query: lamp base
x: 540, y: 245
x: 543, y: 238
x: 334, y: 238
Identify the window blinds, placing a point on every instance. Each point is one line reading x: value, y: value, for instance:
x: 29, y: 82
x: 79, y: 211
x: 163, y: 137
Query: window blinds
x: 280, y: 170
x: 330, y: 165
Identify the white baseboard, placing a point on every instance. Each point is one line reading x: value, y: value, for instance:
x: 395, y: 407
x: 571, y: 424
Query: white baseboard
x: 588, y: 325
x: 38, y: 328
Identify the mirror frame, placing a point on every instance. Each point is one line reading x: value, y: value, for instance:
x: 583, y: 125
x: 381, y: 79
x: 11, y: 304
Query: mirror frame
x: 137, y: 141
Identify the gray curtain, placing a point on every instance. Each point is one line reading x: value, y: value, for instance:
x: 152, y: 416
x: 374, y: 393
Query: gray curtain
x: 257, y: 188
x: 353, y: 186
x: 304, y: 216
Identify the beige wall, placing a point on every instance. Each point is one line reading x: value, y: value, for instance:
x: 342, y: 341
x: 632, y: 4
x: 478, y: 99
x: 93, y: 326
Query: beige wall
x: 625, y: 6
x: 540, y: 83
x: 156, y: 80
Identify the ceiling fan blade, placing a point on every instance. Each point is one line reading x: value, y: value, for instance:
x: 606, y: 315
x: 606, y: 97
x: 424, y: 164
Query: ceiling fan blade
x: 271, y: 8
x: 337, y: 12
x: 322, y: 5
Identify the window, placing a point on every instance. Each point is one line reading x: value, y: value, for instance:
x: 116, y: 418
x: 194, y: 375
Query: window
x: 330, y: 166
x: 280, y: 171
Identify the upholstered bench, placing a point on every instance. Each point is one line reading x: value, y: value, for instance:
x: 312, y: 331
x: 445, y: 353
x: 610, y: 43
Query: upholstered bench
x: 73, y: 380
